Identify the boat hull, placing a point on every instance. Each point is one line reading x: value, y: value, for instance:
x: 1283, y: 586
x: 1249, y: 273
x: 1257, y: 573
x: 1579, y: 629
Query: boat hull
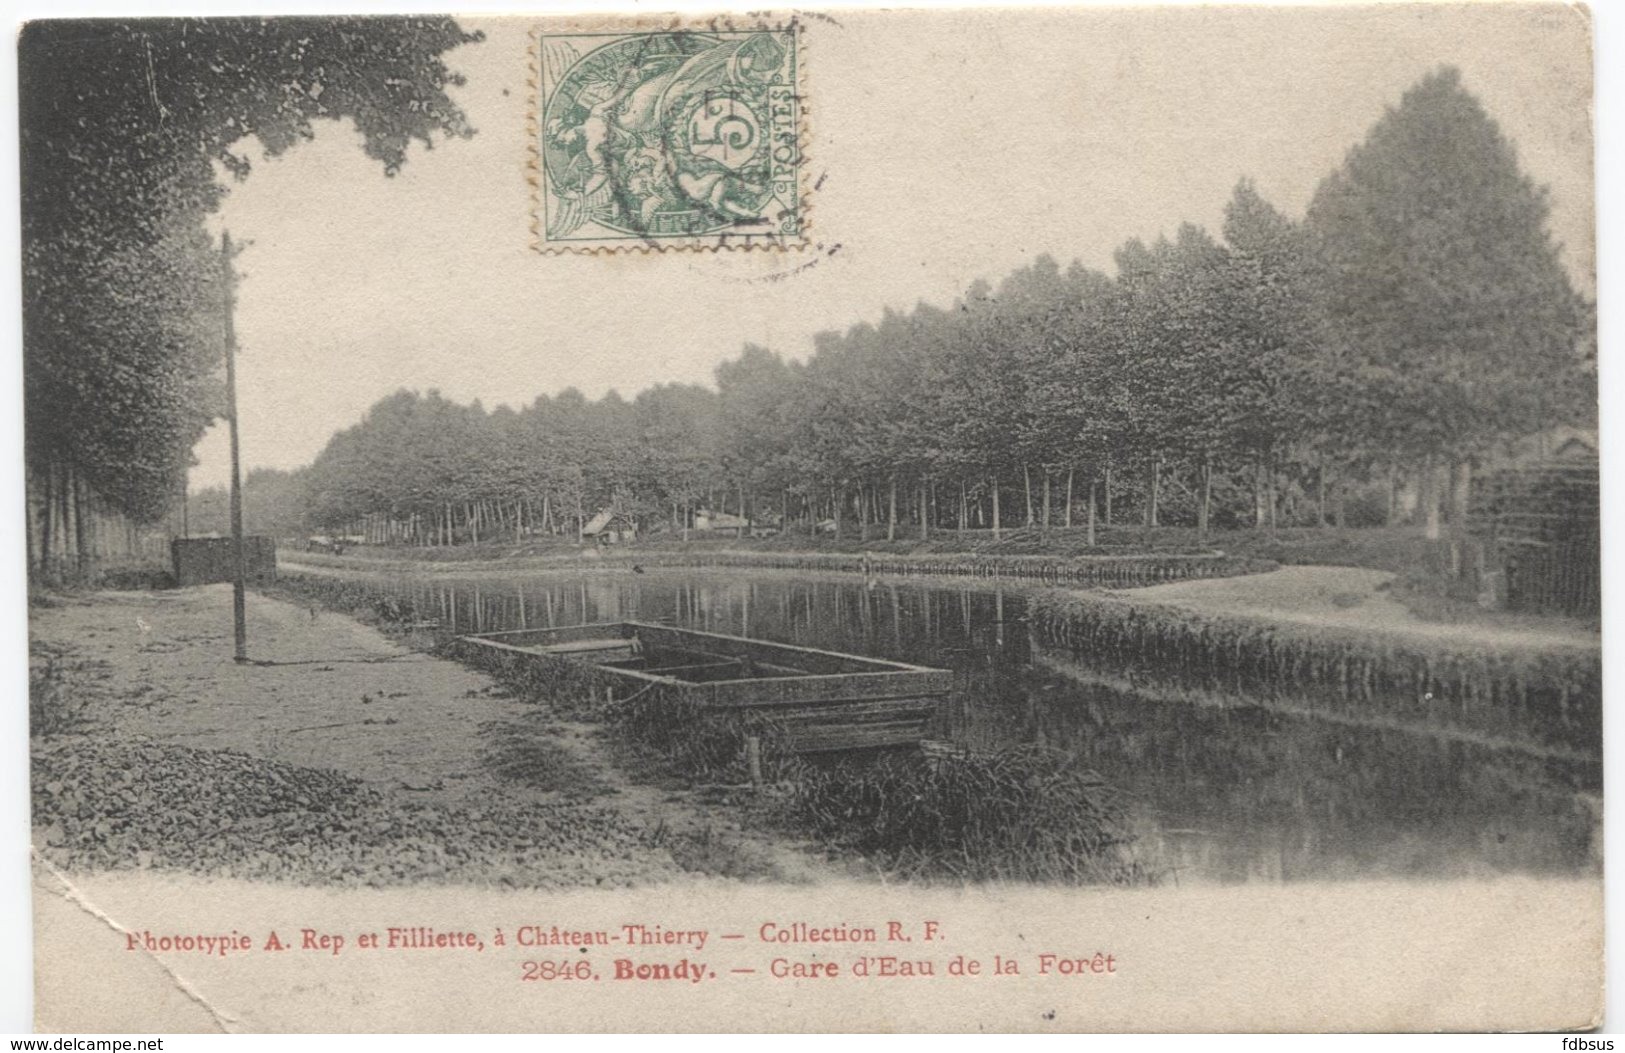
x: 815, y: 701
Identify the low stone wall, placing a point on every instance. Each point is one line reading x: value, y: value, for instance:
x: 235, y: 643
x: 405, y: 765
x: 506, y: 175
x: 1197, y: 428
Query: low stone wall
x: 208, y: 560
x: 1127, y: 571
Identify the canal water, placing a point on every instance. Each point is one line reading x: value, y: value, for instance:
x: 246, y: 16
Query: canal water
x: 1218, y: 793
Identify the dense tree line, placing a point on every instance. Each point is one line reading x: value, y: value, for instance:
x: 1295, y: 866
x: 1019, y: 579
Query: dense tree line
x: 122, y: 126
x: 1415, y: 321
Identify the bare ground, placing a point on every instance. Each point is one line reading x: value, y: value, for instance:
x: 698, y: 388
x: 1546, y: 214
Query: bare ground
x: 326, y: 692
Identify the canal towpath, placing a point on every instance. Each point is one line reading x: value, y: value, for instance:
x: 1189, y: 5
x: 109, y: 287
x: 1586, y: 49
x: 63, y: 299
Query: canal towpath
x: 325, y: 692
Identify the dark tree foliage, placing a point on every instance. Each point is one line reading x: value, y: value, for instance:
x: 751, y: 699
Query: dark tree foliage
x: 122, y: 120
x: 122, y: 124
x: 1446, y: 307
x: 1420, y: 312
x: 274, y: 504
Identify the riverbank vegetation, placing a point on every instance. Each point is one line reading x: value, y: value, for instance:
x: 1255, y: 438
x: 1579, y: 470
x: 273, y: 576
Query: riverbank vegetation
x: 1535, y: 692
x: 1020, y: 814
x: 1026, y: 813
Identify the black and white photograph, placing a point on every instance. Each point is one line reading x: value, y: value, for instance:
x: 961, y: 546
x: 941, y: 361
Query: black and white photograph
x: 867, y: 520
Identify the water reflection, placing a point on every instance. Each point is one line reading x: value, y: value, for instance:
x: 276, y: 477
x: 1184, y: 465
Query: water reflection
x: 1220, y: 792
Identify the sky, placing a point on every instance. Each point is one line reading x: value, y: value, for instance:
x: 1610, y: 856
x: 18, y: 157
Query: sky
x: 946, y: 147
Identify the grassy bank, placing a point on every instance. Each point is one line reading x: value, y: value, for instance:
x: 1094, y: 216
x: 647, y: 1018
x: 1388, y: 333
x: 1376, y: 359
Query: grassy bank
x: 1546, y: 693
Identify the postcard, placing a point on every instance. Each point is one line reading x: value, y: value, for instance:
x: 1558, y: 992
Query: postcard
x: 1062, y: 519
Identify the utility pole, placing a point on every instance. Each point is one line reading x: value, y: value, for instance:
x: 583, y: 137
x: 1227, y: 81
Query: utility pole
x: 238, y: 612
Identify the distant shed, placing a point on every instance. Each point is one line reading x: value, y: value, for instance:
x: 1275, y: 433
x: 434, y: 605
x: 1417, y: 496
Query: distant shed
x: 1542, y: 525
x: 719, y: 522
x: 207, y: 560
x: 610, y: 527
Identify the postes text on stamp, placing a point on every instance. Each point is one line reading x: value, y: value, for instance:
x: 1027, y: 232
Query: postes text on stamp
x: 668, y: 139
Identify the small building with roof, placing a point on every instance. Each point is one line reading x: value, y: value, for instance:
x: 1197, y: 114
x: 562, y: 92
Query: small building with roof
x: 610, y: 527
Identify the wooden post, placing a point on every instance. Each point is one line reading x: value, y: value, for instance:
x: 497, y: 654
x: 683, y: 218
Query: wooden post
x: 1152, y: 492
x: 1205, y: 506
x: 1430, y: 498
x: 753, y: 758
x: 239, y: 615
x: 1320, y: 492
x: 1270, y: 493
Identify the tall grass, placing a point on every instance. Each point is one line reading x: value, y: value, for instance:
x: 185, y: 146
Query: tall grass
x: 1022, y: 814
x: 699, y: 743
x: 360, y: 599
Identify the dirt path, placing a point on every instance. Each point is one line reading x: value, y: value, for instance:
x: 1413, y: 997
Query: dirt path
x: 1349, y: 597
x: 326, y: 692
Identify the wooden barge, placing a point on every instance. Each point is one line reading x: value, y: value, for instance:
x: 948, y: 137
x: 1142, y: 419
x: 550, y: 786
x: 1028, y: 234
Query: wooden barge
x: 818, y: 700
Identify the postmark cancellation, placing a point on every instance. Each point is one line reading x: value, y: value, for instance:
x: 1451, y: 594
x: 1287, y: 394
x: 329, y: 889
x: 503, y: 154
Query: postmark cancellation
x: 676, y: 137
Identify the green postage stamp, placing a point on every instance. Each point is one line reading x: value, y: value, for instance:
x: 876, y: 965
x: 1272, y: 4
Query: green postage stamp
x: 670, y: 138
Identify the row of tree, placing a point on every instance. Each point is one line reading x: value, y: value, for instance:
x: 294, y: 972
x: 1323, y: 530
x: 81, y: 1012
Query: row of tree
x: 1416, y: 320
x: 123, y: 124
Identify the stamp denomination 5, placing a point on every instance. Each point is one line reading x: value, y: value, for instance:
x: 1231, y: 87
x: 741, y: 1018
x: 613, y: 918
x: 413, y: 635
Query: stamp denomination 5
x: 667, y: 138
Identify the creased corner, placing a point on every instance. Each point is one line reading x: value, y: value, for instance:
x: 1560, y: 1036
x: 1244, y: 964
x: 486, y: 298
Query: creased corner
x: 225, y: 1021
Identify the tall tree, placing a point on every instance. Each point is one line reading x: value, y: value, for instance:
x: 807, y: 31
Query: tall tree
x: 1444, y: 293
x: 677, y: 436
x: 121, y: 125
x: 1276, y: 396
x: 755, y: 425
